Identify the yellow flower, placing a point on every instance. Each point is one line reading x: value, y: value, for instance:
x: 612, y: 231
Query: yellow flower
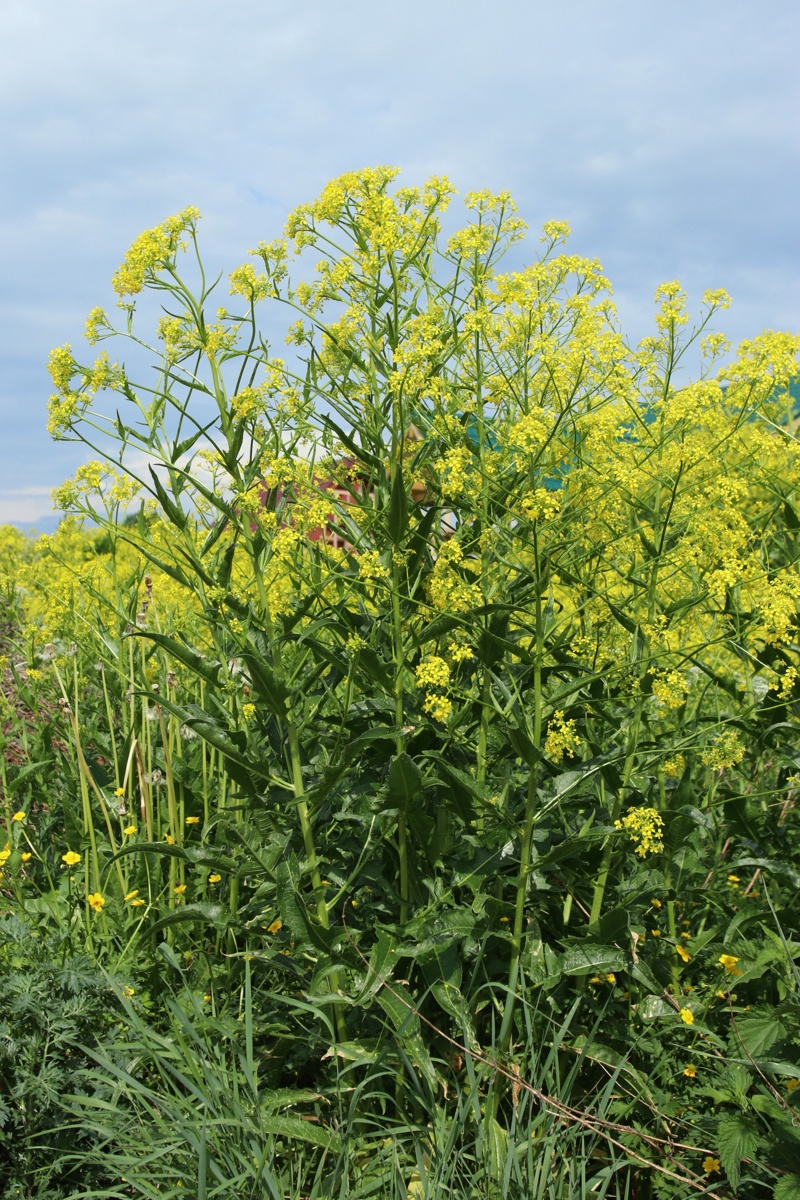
x: 710, y: 1164
x: 180, y: 889
x: 611, y: 977
x: 656, y: 903
x: 119, y: 791
x: 734, y: 879
x: 214, y: 878
x: 690, y: 1071
x: 192, y: 820
x: 275, y: 926
x: 644, y: 827
x: 792, y: 1084
x: 656, y: 932
x: 504, y: 920
x: 169, y: 839
x: 132, y: 895
x: 682, y: 953
x: 96, y: 901
x: 687, y: 1016
x: 207, y: 998
x: 18, y: 816
x: 729, y: 961
x: 127, y: 992
x: 70, y: 858
x: 129, y: 830
x: 5, y: 853
x: 25, y: 856
x: 137, y: 903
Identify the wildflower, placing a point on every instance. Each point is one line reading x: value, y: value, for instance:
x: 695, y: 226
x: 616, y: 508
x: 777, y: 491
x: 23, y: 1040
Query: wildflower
x: 656, y: 932
x: 120, y: 791
x: 276, y: 926
x: 192, y: 820
x: 96, y: 901
x: 129, y: 830
x: 433, y: 671
x: 729, y: 961
x: 169, y: 839
x: 792, y: 1084
x: 137, y: 903
x: 656, y: 903
x: 71, y: 858
x: 132, y: 895
x: 690, y: 1071
x: 687, y: 1016
x: 5, y: 854
x: 127, y: 992
x: 681, y: 952
x: 645, y: 828
x: 611, y: 977
x: 207, y: 998
x: 710, y: 1164
x: 26, y: 856
x: 214, y: 878
x: 734, y: 879
x: 180, y: 889
x: 562, y: 737
x: 18, y: 816
x: 504, y: 920
x: 248, y: 711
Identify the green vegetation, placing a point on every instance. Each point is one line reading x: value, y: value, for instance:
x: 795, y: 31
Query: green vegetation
x: 400, y: 765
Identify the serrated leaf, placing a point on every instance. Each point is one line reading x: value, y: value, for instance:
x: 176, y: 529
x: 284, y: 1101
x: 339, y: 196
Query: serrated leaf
x: 787, y: 1188
x: 737, y: 1139
x: 759, y: 1031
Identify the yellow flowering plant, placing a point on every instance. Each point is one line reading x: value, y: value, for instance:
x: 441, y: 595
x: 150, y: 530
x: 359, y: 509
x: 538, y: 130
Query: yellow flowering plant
x: 462, y: 635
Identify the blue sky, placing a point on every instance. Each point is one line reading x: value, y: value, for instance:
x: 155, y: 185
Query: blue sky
x: 667, y: 135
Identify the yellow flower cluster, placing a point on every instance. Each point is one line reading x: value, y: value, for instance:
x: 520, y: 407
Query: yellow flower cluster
x: 152, y: 251
x: 645, y: 827
x: 562, y: 737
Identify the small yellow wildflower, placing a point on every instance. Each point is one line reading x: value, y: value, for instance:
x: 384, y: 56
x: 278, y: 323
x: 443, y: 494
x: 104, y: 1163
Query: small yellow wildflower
x: 192, y: 820
x: 120, y: 791
x: 180, y: 889
x: 611, y: 977
x: 96, y: 901
x: 132, y: 895
x: 207, y: 998
x: 26, y: 856
x: 682, y: 953
x: 214, y: 878
x: 656, y: 932
x: 137, y: 903
x: 734, y: 879
x: 169, y: 839
x: 710, y: 1164
x: 504, y: 920
x: 127, y: 992
x: 276, y: 926
x: 18, y: 816
x: 129, y: 830
x: 729, y: 961
x: 691, y: 1071
x: 687, y: 1016
x: 71, y: 858
x: 656, y: 903
x: 792, y: 1084
x: 645, y: 827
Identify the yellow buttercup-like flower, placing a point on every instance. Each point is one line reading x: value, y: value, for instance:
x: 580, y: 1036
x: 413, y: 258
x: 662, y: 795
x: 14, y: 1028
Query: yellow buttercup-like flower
x: 96, y: 901
x: 71, y: 858
x: 687, y: 1016
x: 275, y: 926
x: 214, y: 878
x: 18, y: 816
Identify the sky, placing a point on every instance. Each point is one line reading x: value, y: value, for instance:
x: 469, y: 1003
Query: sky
x: 666, y: 135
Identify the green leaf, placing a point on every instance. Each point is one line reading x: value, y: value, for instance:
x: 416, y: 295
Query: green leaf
x: 208, y: 914
x: 787, y: 1188
x: 759, y: 1031
x: 585, y: 959
x: 405, y: 780
x: 407, y: 1028
x: 398, y: 507
x: 173, y: 511
x: 737, y: 1138
x: 206, y: 668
